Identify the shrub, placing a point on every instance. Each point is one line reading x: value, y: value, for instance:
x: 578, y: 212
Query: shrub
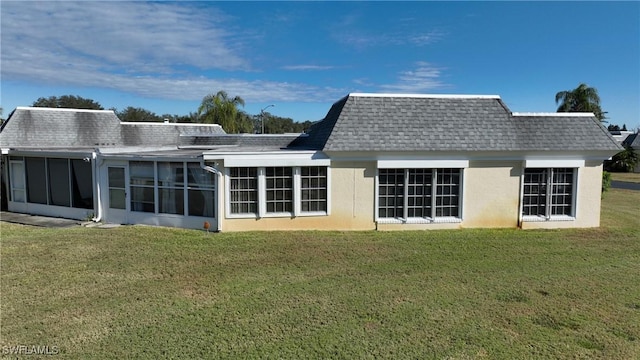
x: 606, y: 181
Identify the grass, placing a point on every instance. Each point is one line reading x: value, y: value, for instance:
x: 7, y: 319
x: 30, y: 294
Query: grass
x: 146, y: 292
x: 628, y: 177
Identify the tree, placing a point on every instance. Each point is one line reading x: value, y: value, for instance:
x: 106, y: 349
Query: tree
x: 220, y: 109
x: 624, y: 161
x: 68, y: 101
x: 137, y: 114
x: 581, y: 99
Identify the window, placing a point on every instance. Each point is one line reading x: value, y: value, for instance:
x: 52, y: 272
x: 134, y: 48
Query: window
x: 391, y: 193
x: 16, y: 181
x: 59, y: 180
x: 81, y: 184
x: 409, y: 194
x: 142, y: 182
x: 171, y: 187
x: 278, y: 191
x: 177, y: 187
x: 36, y: 180
x: 117, y: 190
x: 53, y: 181
x: 548, y: 193
x: 201, y: 188
x: 313, y: 189
x: 243, y: 193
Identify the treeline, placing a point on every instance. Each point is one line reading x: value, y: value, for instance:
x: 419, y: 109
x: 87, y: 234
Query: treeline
x: 216, y: 109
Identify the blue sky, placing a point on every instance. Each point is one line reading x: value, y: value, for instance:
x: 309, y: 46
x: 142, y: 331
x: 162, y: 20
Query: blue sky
x: 303, y: 56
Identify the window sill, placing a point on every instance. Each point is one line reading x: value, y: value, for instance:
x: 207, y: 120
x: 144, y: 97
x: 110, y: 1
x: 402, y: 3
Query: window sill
x: 277, y: 215
x: 536, y: 218
x: 438, y: 220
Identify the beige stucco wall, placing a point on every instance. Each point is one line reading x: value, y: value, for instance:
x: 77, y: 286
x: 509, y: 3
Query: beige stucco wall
x: 587, y: 201
x: 491, y: 199
x: 491, y: 194
x: 352, y: 204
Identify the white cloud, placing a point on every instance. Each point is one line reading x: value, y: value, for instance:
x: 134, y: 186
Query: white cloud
x: 155, y: 50
x: 134, y: 37
x: 424, y: 77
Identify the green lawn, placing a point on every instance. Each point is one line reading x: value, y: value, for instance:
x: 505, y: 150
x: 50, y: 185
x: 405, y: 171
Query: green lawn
x: 148, y: 292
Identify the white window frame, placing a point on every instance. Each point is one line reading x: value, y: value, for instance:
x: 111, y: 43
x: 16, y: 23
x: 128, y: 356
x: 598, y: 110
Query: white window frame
x: 262, y: 192
x: 549, y: 194
x: 434, y: 175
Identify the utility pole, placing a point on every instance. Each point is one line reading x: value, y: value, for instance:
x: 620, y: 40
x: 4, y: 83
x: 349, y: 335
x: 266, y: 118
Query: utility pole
x: 262, y: 115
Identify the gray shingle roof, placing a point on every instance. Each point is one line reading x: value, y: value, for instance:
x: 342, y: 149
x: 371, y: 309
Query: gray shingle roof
x: 163, y: 134
x: 371, y: 122
x: 275, y: 141
x: 633, y: 140
x: 74, y: 128
x: 45, y: 127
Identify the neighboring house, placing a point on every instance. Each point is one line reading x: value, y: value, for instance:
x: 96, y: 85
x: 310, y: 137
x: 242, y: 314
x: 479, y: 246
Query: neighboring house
x: 376, y: 161
x: 621, y: 135
x: 633, y: 141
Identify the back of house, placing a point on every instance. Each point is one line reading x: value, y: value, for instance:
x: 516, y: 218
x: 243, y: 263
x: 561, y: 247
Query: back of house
x: 376, y: 161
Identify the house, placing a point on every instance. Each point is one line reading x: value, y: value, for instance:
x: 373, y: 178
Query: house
x: 633, y: 141
x: 376, y: 161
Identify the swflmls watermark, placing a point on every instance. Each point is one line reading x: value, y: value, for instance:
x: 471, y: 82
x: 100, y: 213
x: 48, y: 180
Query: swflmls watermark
x: 30, y: 350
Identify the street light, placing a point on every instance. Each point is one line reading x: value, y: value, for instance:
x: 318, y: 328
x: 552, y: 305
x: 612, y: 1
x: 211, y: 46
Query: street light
x: 262, y: 115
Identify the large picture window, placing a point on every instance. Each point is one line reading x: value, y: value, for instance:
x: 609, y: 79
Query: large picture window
x: 424, y: 194
x: 278, y: 191
x: 176, y: 187
x: 57, y: 181
x: 548, y: 192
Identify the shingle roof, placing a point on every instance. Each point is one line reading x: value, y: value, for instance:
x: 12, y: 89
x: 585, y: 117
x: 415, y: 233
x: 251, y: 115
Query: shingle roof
x: 376, y: 122
x: 45, y: 127
x: 271, y: 141
x: 164, y: 134
x: 73, y: 128
x: 632, y: 140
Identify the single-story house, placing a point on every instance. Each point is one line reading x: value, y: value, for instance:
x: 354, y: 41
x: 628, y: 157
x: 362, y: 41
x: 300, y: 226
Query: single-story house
x: 633, y: 141
x: 376, y: 161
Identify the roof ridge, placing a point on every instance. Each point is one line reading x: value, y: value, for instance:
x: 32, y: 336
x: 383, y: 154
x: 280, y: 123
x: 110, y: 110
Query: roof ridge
x: 40, y: 108
x: 556, y: 114
x: 426, y: 96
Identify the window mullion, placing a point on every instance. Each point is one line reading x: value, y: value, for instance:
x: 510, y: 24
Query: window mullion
x: 434, y: 191
x: 405, y: 203
x: 297, y: 192
x: 549, y: 193
x: 262, y: 192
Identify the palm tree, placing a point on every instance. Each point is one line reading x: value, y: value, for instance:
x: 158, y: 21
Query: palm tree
x: 220, y: 109
x: 581, y: 99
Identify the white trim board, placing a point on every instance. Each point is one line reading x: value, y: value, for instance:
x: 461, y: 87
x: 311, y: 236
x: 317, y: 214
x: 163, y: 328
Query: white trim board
x: 422, y: 164
x: 549, y: 163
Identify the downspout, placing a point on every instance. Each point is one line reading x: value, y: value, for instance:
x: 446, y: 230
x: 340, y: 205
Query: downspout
x: 96, y: 181
x: 215, y: 171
